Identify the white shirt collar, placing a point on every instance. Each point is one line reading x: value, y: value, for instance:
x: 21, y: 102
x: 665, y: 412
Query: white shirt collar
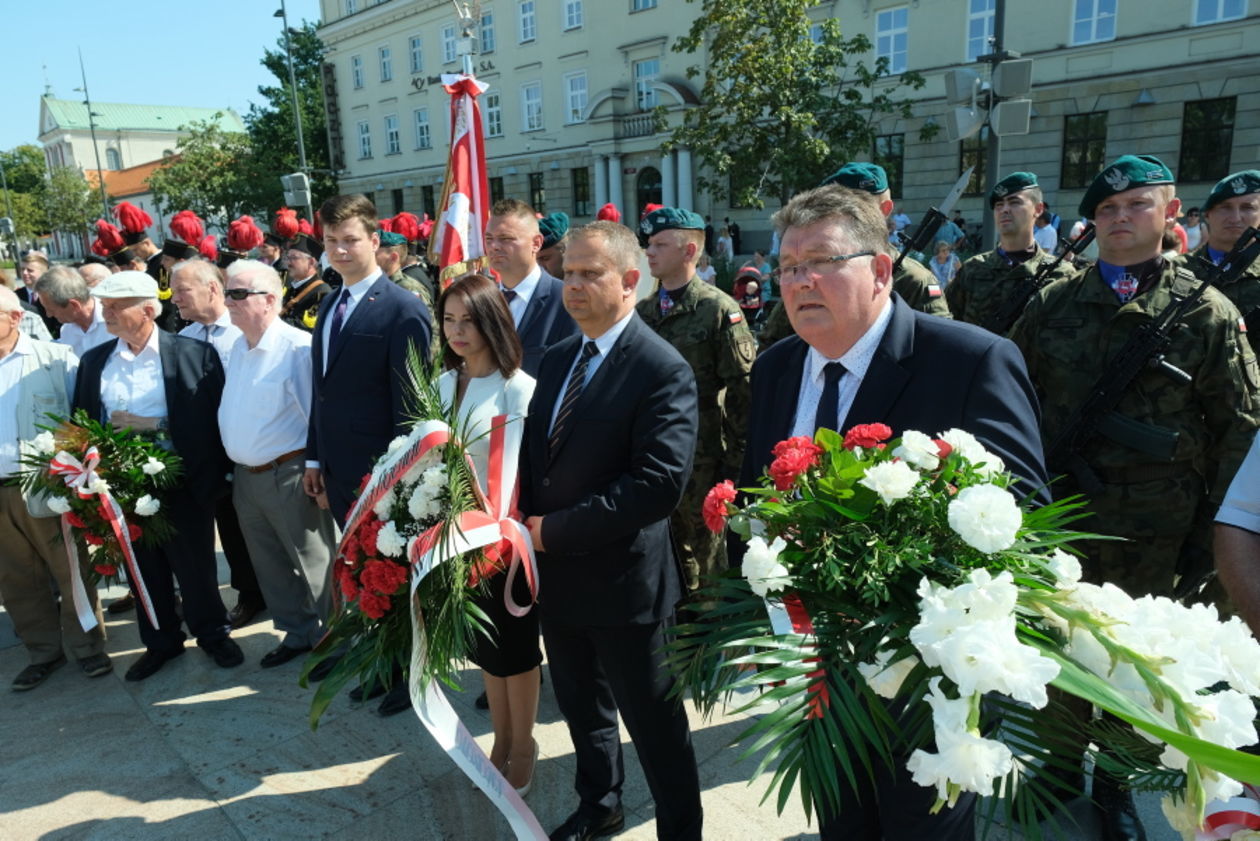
x: 21, y: 348
x: 858, y: 357
x: 269, y: 337
x: 604, y: 342
x: 528, y: 284
x: 121, y: 348
x: 359, y: 290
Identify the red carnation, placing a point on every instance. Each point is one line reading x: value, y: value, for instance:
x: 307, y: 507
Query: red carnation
x: 93, y: 540
x: 715, y: 502
x: 75, y: 520
x: 792, y: 458
x: 105, y: 569
x: 134, y: 531
x: 866, y: 435
x: 345, y: 580
x: 382, y: 577
x: 372, y: 605
x: 943, y: 448
x: 367, y: 535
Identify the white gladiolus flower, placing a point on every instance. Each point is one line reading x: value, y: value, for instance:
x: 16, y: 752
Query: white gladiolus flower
x: 918, y: 450
x: 58, y: 505
x: 389, y: 542
x: 1065, y: 568
x: 966, y: 761
x: 986, y: 517
x: 147, y: 506
x: 153, y: 466
x: 44, y: 443
x: 385, y: 504
x: 1181, y: 815
x: 892, y: 480
x: 885, y: 678
x: 762, y: 568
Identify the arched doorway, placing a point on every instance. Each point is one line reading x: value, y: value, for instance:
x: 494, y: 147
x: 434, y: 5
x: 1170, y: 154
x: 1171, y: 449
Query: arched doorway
x: 647, y: 188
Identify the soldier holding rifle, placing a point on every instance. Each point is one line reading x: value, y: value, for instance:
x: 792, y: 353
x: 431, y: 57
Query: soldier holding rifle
x: 1231, y: 208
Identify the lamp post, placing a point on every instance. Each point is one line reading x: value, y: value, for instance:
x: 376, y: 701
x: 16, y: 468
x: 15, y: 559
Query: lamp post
x: 100, y: 174
x: 297, y: 112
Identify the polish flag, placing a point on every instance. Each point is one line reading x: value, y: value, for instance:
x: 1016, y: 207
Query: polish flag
x: 457, y: 244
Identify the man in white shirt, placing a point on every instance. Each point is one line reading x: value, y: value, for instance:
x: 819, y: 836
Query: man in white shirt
x: 264, y: 417
x: 35, y: 378
x: 67, y: 298
x: 94, y: 273
x: 197, y: 291
x: 1045, y: 234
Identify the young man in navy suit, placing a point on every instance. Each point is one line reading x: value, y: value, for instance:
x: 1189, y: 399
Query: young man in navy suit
x: 513, y: 240
x: 861, y: 355
x: 608, y: 447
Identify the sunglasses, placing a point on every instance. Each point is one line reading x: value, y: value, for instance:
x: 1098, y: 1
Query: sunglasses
x: 242, y: 294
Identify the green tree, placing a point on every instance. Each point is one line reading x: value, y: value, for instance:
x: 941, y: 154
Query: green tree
x: 70, y: 204
x: 24, y: 169
x: 209, y: 174
x: 29, y: 217
x: 271, y: 126
x: 781, y: 106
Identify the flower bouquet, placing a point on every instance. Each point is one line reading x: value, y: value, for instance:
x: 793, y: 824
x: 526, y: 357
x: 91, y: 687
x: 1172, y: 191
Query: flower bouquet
x: 898, y: 603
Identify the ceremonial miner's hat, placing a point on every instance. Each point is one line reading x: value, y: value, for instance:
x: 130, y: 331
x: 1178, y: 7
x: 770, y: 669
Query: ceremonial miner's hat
x: 283, y: 228
x: 608, y: 213
x: 1231, y: 186
x: 553, y: 227
x: 1013, y: 183
x: 1128, y: 172
x: 307, y: 244
x: 411, y: 229
x: 243, y: 236
x: 134, y: 222
x: 110, y: 243
x: 187, y: 231
x: 858, y: 175
x: 209, y: 248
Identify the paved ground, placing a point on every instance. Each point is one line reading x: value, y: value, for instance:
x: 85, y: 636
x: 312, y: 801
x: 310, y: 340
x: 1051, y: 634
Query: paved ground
x: 198, y: 752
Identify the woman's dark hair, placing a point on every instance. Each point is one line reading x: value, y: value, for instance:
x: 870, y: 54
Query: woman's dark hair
x: 490, y: 314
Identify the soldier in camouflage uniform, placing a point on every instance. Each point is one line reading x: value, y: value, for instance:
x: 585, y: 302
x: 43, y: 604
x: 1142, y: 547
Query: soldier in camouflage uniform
x: 303, y: 287
x: 987, y: 281
x: 389, y: 257
x: 913, y: 281
x: 1162, y: 461
x: 1232, y: 207
x: 707, y: 327
x: 554, y: 228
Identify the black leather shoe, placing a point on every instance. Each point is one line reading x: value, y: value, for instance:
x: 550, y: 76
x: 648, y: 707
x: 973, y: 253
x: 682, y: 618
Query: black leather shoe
x: 1118, y: 815
x: 225, y: 652
x: 36, y: 673
x: 361, y: 693
x: 149, y: 663
x: 121, y: 605
x: 482, y: 702
x: 325, y: 667
x: 243, y: 614
x: 280, y: 655
x: 396, y: 700
x: 582, y: 826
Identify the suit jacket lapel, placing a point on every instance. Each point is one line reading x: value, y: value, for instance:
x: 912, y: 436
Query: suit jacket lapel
x: 786, y: 394
x: 603, y: 374
x: 537, y: 301
x: 885, y: 378
x: 360, y: 313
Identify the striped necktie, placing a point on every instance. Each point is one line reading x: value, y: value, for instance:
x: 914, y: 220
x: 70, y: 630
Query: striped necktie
x: 572, y: 391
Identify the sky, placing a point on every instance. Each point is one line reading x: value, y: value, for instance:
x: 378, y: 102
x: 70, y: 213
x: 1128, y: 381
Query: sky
x: 136, y: 51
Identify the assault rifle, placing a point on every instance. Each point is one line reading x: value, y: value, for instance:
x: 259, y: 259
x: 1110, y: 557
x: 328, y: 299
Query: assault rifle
x: 922, y: 236
x: 1144, y: 349
x: 1013, y: 307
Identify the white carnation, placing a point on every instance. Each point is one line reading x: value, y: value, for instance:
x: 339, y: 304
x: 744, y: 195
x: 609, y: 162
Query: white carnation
x: 919, y: 450
x: 762, y: 567
x: 970, y: 448
x: 965, y: 761
x: 417, y: 470
x: 434, y: 477
x: 423, y: 505
x: 1065, y: 568
x: 986, y: 517
x: 389, y: 542
x: 44, y: 443
x: 147, y: 506
x: 396, y: 445
x: 385, y: 505
x: 892, y: 480
x: 58, y: 505
x: 885, y: 678
x: 153, y: 466
x: 98, y: 486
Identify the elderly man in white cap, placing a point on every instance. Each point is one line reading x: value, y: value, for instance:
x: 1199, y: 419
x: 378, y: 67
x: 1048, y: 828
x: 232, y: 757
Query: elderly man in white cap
x: 167, y: 387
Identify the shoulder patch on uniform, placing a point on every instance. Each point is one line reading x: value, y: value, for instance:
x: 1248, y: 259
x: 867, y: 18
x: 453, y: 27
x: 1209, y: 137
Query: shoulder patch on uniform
x: 735, y: 317
x: 934, y: 290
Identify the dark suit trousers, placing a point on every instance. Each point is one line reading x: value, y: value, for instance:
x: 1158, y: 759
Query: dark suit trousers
x: 598, y: 671
x: 340, y: 497
x: 244, y: 579
x: 188, y: 557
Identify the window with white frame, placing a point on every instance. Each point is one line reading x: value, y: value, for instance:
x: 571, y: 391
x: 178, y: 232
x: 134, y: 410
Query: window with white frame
x: 572, y: 14
x: 113, y: 160
x: 449, y: 52
x: 1215, y: 11
x: 365, y: 139
x: 493, y: 113
x: 356, y: 70
x: 1093, y: 21
x: 387, y: 63
x: 640, y: 5
x: 487, y: 32
x: 352, y: 6
x: 526, y: 21
x: 892, y: 27
x: 646, y: 73
x: 816, y: 33
x: 531, y: 107
x: 415, y: 49
x: 393, y: 143
x: 423, y: 139
x: 574, y: 96
x: 979, y: 28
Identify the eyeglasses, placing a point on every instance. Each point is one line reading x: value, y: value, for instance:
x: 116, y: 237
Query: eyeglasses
x: 813, y: 268
x: 242, y: 294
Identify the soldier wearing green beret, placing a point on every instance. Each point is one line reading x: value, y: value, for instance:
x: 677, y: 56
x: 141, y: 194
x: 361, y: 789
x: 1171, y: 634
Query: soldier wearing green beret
x: 985, y: 281
x: 1231, y: 208
x: 707, y: 327
x: 389, y: 257
x: 1165, y: 457
x: 554, y: 228
x: 914, y: 282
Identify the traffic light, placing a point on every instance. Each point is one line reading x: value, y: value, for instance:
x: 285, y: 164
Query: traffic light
x: 297, y: 189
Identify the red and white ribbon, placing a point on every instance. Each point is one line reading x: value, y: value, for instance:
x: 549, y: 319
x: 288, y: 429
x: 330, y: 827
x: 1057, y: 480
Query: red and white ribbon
x: 1222, y: 818
x: 788, y: 616
x: 81, y: 477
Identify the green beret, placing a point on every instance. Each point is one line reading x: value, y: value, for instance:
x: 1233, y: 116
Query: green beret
x: 391, y: 238
x: 1128, y: 172
x: 1238, y: 184
x: 553, y: 227
x: 869, y: 178
x: 670, y: 219
x: 1012, y: 183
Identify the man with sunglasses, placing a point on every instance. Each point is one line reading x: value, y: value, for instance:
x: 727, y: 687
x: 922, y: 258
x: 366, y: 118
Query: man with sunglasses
x: 862, y: 355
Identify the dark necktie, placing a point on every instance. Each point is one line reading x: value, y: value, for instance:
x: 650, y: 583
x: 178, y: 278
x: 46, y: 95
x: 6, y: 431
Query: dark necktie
x: 207, y: 329
x: 572, y: 391
x: 509, y: 295
x: 339, y: 317
x: 828, y: 414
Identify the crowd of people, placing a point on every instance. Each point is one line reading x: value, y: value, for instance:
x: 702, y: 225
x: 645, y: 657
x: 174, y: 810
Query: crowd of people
x: 292, y: 380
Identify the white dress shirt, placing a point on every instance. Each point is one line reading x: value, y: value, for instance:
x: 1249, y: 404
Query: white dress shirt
x: 132, y: 382
x: 80, y: 340
x: 604, y: 344
x: 265, y: 408
x: 357, y: 293
x: 855, y: 361
x: 524, y: 291
x: 10, y: 393
x: 221, y: 333
x: 1046, y: 237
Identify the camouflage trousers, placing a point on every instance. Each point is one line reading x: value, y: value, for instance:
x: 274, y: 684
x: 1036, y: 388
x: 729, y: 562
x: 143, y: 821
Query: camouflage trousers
x: 700, y: 551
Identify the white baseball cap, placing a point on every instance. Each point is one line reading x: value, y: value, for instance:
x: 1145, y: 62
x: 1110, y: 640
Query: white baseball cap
x: 128, y: 284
